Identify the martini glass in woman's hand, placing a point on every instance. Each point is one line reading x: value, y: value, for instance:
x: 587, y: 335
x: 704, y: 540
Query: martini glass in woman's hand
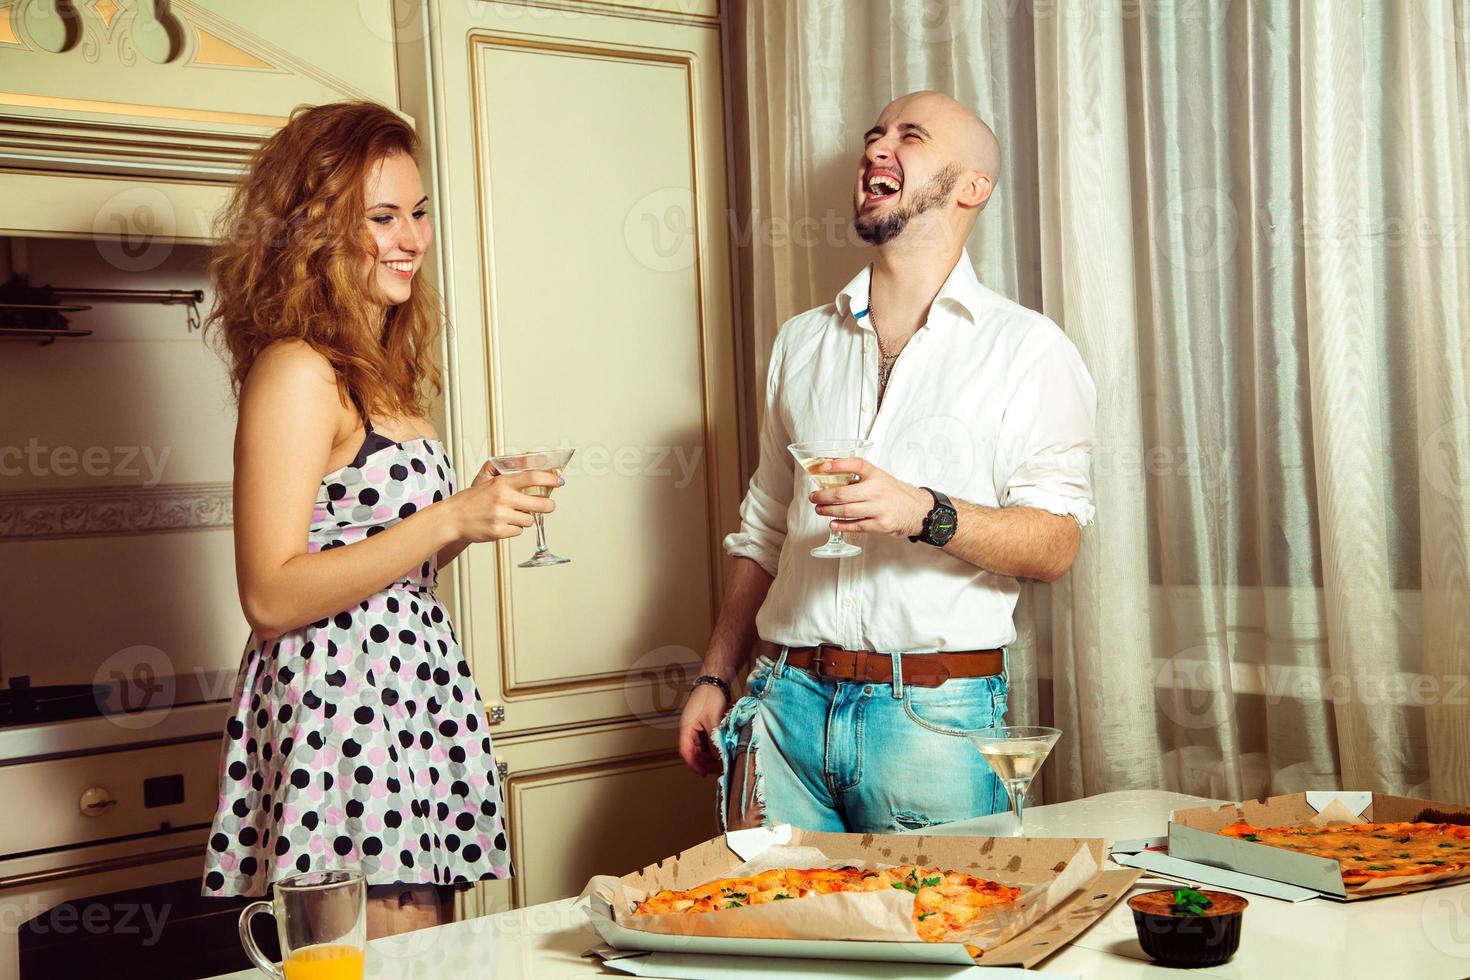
x: 812, y: 456
x: 1015, y: 753
x: 554, y: 460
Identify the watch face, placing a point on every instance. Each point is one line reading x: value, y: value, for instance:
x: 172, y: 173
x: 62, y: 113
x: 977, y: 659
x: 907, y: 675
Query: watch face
x: 942, y: 526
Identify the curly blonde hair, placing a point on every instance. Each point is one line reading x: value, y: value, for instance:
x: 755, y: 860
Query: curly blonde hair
x: 293, y: 244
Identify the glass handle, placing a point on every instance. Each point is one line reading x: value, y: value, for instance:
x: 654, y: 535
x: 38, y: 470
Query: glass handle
x: 248, y: 941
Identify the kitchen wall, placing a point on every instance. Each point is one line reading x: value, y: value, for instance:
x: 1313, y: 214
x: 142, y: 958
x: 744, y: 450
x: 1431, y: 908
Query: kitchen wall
x: 115, y: 464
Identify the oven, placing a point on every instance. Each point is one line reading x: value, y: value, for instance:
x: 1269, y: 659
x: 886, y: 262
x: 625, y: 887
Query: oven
x: 108, y: 808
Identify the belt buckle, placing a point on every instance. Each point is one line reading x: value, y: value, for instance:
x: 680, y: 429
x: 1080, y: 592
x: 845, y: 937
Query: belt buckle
x: 819, y: 663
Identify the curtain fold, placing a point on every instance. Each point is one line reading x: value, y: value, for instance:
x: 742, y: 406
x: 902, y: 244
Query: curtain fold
x: 1253, y: 219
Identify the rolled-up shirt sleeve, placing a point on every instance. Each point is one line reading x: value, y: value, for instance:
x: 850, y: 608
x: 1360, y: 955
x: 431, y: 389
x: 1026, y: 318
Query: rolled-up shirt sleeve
x: 1044, y: 455
x: 763, y: 512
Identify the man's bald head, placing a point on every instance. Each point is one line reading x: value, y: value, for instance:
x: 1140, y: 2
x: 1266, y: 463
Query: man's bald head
x: 973, y: 142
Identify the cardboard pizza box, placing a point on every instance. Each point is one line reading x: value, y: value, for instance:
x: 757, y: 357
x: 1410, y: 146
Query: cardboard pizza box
x: 1077, y: 862
x: 1194, y: 837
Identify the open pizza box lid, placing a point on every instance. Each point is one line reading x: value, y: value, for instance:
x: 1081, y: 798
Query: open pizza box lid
x: 1194, y: 838
x: 1078, y: 893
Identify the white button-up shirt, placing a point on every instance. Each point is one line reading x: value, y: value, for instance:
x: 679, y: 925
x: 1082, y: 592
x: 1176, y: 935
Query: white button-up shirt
x: 988, y: 403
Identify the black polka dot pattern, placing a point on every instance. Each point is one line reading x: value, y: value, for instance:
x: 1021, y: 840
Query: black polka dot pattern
x: 350, y: 743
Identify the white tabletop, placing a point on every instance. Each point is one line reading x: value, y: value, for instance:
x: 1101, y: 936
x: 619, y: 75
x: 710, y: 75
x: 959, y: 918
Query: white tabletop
x: 1425, y: 935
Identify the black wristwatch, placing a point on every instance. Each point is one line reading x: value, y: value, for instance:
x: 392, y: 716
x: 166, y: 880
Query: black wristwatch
x: 940, y: 523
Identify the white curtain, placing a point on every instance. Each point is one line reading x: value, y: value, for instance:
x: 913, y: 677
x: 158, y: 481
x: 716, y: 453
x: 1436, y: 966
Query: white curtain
x: 1253, y: 219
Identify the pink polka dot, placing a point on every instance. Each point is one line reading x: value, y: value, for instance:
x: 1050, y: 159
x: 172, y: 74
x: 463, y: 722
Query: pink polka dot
x: 373, y: 823
x: 315, y: 792
x: 349, y: 689
x: 228, y: 861
x: 318, y: 845
x: 375, y: 475
x: 327, y: 756
x: 284, y: 861
x: 379, y: 791
x: 342, y: 723
x: 333, y: 815
x: 377, y: 755
x: 382, y: 512
x: 290, y: 814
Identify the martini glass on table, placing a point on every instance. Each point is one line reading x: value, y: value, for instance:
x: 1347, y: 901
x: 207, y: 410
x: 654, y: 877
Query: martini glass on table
x: 554, y: 460
x: 1015, y: 752
x: 812, y: 456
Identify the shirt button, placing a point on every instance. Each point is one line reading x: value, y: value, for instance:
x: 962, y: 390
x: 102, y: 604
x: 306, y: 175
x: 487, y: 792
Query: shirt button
x: 867, y: 345
x: 847, y: 600
x: 866, y: 408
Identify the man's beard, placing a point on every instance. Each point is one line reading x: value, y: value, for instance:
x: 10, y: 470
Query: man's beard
x: 934, y: 193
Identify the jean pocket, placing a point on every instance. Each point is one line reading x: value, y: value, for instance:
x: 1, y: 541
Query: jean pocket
x: 957, y: 707
x: 758, y: 684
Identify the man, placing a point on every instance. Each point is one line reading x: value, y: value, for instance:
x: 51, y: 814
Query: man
x: 981, y: 416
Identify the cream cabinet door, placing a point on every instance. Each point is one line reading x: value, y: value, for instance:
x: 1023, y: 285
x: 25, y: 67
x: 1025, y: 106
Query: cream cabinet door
x: 605, y: 800
x: 584, y: 240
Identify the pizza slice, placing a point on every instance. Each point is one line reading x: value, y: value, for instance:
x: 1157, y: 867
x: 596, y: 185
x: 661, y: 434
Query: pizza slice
x: 1372, y: 850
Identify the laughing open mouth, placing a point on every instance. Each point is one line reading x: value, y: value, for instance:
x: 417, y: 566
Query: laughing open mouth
x: 882, y: 185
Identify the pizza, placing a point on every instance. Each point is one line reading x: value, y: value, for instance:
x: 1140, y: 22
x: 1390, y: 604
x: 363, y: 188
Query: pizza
x: 1372, y: 850
x: 944, y: 901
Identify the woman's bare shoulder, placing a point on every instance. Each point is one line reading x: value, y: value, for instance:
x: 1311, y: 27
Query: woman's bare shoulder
x: 291, y: 368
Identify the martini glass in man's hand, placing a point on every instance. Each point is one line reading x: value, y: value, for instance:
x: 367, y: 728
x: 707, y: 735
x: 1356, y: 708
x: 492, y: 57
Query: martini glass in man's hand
x: 554, y: 460
x: 812, y: 456
x: 1015, y: 753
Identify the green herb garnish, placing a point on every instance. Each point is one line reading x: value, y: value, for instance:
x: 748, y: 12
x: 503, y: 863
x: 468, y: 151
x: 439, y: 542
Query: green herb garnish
x: 1379, y: 867
x: 907, y: 886
x: 930, y: 882
x: 734, y: 905
x: 1249, y: 837
x: 926, y: 915
x: 780, y: 896
x: 1187, y: 901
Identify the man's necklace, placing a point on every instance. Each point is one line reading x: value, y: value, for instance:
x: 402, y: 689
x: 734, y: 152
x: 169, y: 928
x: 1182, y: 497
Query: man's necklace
x: 885, y: 359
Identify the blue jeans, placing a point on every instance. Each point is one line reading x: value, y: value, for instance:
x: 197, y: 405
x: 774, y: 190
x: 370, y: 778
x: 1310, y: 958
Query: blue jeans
x: 852, y: 756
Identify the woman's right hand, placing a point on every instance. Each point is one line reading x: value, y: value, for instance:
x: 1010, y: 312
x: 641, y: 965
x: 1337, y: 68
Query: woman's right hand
x: 500, y: 507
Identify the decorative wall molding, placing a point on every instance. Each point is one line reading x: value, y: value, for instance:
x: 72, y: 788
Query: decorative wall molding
x: 77, y: 512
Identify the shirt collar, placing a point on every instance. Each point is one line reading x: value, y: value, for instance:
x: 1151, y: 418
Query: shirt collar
x: 961, y: 290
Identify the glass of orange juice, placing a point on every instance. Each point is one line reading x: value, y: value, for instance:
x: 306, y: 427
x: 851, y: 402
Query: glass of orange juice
x: 321, y: 919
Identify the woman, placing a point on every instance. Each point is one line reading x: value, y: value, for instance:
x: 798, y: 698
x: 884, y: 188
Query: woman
x: 357, y: 737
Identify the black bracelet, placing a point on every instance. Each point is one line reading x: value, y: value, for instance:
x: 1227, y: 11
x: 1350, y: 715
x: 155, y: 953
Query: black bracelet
x: 716, y: 682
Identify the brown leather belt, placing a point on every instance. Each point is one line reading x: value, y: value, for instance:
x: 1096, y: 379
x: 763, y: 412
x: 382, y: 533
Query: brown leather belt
x: 919, y: 669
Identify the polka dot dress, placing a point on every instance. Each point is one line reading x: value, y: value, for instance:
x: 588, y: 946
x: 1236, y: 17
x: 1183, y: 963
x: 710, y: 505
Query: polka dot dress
x: 360, y: 741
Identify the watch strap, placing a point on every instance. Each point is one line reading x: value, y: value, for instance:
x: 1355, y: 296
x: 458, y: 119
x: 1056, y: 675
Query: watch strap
x: 713, y: 681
